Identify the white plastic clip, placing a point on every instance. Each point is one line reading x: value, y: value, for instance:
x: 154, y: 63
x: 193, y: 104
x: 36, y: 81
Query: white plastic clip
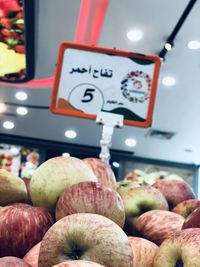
x: 109, y: 121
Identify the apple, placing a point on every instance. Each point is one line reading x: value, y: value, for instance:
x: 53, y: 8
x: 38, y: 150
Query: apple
x: 143, y: 250
x: 21, y: 227
x: 173, y: 176
x: 12, y: 188
x: 180, y: 249
x: 133, y: 175
x: 175, y: 191
x: 103, y: 172
x: 157, y: 225
x: 91, y: 197
x: 86, y: 236
x: 11, y: 261
x: 54, y: 175
x: 78, y: 263
x: 124, y: 185
x: 186, y: 207
x: 193, y: 220
x: 138, y: 200
x: 31, y: 257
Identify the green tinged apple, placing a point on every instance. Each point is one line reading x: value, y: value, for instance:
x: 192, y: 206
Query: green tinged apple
x: 54, y: 175
x: 86, y: 236
x: 180, y: 250
x: 12, y: 188
x: 138, y: 200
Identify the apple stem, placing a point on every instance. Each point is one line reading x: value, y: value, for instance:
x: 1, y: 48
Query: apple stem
x: 179, y: 263
x: 75, y: 253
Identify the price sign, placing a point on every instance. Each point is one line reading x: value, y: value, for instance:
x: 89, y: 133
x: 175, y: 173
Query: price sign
x: 90, y: 79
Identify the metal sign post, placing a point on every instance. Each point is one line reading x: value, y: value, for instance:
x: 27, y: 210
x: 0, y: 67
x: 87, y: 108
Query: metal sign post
x: 109, y: 121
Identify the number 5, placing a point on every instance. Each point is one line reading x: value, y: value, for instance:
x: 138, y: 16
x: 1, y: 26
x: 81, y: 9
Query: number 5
x: 88, y: 96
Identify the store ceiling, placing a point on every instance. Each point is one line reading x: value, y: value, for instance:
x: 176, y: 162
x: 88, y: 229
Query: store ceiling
x: 177, y: 108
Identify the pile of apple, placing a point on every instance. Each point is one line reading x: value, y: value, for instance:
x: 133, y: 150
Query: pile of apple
x: 75, y: 213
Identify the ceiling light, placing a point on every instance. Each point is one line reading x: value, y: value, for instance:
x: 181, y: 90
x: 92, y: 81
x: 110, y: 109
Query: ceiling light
x: 168, y: 46
x: 8, y: 125
x: 115, y: 164
x: 22, y: 110
x: 70, y: 134
x: 134, y: 35
x: 66, y: 154
x: 130, y: 142
x: 168, y: 81
x: 2, y: 107
x: 21, y: 96
x: 194, y: 44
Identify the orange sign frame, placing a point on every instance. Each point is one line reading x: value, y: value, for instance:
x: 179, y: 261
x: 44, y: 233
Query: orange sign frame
x: 108, y: 51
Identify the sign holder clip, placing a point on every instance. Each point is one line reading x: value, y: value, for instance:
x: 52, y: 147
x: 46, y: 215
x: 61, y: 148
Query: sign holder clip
x: 109, y: 121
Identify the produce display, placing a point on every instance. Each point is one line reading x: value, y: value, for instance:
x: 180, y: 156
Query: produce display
x: 78, y: 215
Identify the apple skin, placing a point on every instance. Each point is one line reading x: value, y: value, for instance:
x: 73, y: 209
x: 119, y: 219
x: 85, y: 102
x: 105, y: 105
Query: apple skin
x: 11, y: 261
x: 12, y: 188
x: 185, y: 208
x: 86, y: 236
x: 31, y: 257
x: 54, y: 175
x: 91, y: 197
x: 175, y: 191
x: 78, y: 263
x: 21, y: 227
x: 157, y: 225
x: 180, y: 249
x: 103, y: 172
x: 193, y: 220
x: 143, y: 250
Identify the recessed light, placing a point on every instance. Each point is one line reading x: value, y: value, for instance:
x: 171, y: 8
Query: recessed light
x: 195, y: 44
x: 168, y: 46
x: 21, y: 96
x: 70, y: 134
x: 134, y: 35
x: 22, y: 110
x: 115, y: 164
x: 130, y: 142
x: 168, y: 81
x: 66, y: 154
x: 2, y: 107
x: 8, y: 125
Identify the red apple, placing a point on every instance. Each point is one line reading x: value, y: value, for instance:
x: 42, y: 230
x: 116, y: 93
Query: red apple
x: 54, y: 175
x: 180, y: 249
x: 78, y: 263
x: 86, y: 236
x: 175, y: 191
x: 21, y: 227
x: 91, y: 197
x: 11, y: 261
x: 193, y: 220
x: 32, y: 255
x: 143, y: 250
x: 186, y: 207
x: 103, y: 172
x: 157, y: 225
